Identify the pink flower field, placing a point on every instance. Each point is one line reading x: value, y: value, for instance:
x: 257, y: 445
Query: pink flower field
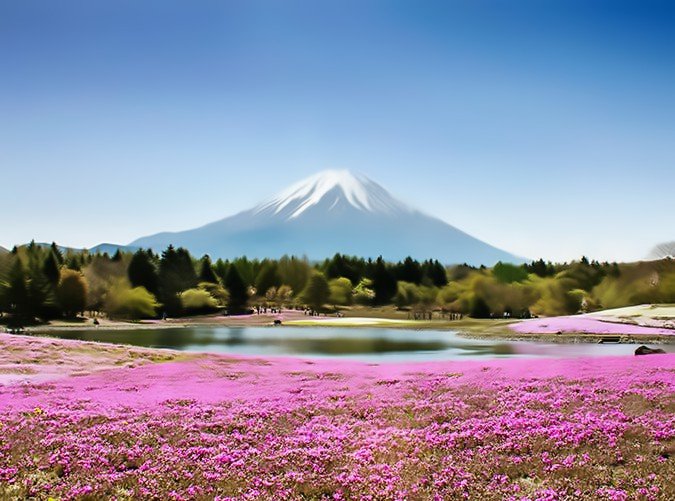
x: 585, y: 324
x: 216, y: 427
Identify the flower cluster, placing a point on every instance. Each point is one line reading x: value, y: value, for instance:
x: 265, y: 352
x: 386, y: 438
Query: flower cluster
x: 216, y: 427
x: 586, y: 324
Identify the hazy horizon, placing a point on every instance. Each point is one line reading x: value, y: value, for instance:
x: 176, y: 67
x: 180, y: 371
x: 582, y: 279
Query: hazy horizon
x: 543, y: 129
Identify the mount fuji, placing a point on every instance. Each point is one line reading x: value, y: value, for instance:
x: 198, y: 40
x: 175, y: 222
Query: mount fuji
x: 332, y: 211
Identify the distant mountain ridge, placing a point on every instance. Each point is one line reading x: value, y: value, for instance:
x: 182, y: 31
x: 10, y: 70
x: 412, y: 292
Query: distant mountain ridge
x: 332, y: 211
x: 97, y: 249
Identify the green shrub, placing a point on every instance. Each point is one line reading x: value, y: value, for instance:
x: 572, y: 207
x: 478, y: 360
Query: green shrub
x: 198, y: 301
x: 364, y: 293
x: 126, y: 302
x: 217, y: 292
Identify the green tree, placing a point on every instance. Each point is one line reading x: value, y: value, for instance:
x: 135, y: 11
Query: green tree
x: 554, y: 298
x: 206, y: 273
x: 540, y: 268
x: 198, y: 301
x: 41, y: 292
x: 176, y: 274
x: 454, y: 297
x: 294, y: 272
x: 101, y: 273
x: 409, y: 271
x: 57, y: 253
x: 71, y: 292
x: 74, y: 261
x: 268, y: 277
x: 247, y: 269
x: 479, y: 308
x: 461, y: 271
x: 317, y: 292
x: 434, y: 273
x: 384, y: 282
x: 349, y: 267
x: 340, y: 291
x: 428, y: 297
x: 407, y: 294
x: 51, y: 269
x: 221, y: 268
x: 142, y: 271
x: 237, y: 289
x: 16, y: 292
x: 508, y: 273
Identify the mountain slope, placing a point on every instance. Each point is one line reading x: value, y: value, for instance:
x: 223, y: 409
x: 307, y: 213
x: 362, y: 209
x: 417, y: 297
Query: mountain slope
x: 333, y: 211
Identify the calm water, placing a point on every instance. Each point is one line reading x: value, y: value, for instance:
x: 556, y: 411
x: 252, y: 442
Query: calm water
x: 370, y: 344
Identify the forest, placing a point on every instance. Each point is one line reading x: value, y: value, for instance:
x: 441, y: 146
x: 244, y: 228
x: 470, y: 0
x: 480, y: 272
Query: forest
x: 39, y: 282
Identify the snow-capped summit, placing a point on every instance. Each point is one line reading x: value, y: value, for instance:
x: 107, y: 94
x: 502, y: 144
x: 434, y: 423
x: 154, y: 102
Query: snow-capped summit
x: 332, y: 211
x: 332, y: 187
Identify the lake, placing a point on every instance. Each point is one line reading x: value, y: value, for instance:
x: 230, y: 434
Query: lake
x: 366, y: 344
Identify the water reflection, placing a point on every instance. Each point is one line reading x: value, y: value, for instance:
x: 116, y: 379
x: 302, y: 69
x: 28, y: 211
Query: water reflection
x: 371, y: 344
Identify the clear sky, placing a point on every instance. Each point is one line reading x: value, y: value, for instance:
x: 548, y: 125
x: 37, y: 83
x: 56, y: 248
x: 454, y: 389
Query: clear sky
x: 546, y: 128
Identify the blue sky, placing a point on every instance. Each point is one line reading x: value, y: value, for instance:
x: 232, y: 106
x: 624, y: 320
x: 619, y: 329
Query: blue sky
x: 545, y: 128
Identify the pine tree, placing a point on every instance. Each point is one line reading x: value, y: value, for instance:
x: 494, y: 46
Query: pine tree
x: 73, y: 262
x: 221, y: 268
x: 437, y: 274
x: 267, y: 277
x: 57, y: 253
x: 41, y: 300
x: 51, y: 268
x: 384, y: 282
x: 409, y: 271
x: 176, y: 274
x: 206, y: 273
x: 336, y: 267
x: 142, y: 271
x: 17, y: 292
x: 50, y: 273
x: 246, y: 269
x: 345, y: 266
x: 237, y: 288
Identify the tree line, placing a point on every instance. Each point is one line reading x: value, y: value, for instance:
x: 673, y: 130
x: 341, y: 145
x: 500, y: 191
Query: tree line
x: 39, y: 282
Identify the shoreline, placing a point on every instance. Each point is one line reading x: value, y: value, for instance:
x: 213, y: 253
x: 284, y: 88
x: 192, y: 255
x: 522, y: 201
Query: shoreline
x: 52, y: 358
